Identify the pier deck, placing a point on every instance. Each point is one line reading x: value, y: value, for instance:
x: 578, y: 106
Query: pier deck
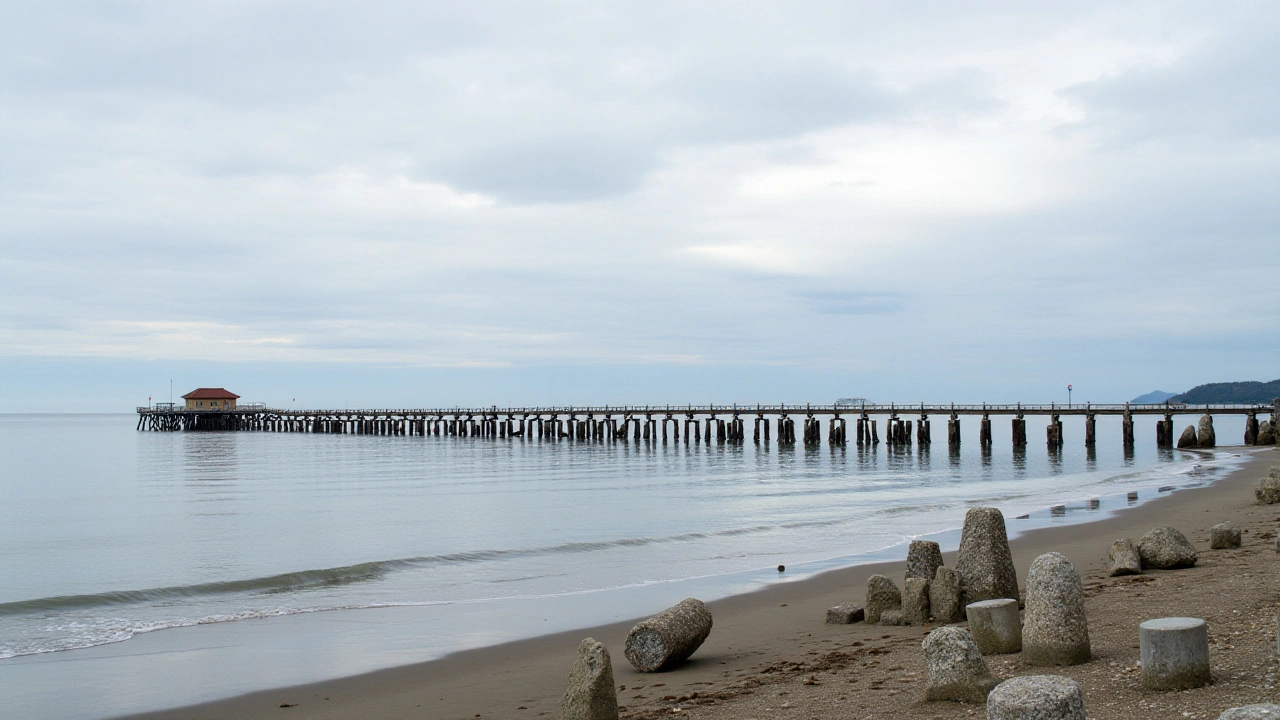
x: 722, y: 423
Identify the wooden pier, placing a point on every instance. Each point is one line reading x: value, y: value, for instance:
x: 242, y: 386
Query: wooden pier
x: 787, y: 424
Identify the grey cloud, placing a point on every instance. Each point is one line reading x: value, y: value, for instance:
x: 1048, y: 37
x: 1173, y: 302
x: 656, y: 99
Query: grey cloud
x: 1226, y: 90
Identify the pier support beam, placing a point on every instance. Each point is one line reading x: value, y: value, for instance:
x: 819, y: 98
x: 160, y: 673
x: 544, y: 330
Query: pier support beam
x: 984, y: 432
x: 953, y: 431
x: 1090, y: 430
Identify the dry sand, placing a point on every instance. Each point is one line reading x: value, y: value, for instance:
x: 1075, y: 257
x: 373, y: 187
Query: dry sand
x: 771, y: 655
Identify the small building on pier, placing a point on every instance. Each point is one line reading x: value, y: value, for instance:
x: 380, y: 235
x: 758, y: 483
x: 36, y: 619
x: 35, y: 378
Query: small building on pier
x: 211, y: 399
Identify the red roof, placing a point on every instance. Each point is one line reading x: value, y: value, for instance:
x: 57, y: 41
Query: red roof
x: 210, y: 394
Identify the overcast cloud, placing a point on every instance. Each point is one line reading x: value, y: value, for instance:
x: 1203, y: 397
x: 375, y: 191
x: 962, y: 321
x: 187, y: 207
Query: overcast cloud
x: 941, y: 201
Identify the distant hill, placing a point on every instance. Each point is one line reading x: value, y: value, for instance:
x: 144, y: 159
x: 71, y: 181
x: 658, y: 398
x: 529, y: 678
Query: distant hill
x: 1250, y: 391
x: 1154, y: 397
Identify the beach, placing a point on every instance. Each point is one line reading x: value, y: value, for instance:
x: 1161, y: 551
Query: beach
x: 770, y: 653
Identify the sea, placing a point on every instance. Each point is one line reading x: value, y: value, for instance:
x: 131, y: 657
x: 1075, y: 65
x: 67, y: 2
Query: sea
x: 145, y: 570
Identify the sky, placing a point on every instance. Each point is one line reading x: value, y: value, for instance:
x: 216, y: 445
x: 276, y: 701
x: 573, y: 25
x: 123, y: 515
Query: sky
x: 389, y: 204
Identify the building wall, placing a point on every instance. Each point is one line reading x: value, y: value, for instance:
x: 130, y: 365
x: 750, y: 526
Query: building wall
x: 213, y: 405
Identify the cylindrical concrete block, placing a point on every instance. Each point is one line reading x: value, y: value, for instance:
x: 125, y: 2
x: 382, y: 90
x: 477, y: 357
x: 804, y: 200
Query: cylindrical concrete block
x: 669, y: 637
x: 1036, y: 697
x: 1175, y: 653
x: 995, y: 626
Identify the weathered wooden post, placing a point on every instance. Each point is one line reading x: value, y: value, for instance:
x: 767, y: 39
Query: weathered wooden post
x: 1251, y: 429
x: 953, y: 430
x: 860, y: 430
x: 984, y: 430
x: 1126, y: 427
x: 1090, y: 429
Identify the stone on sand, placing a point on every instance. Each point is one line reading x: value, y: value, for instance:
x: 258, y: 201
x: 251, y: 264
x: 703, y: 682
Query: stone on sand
x: 1124, y: 558
x: 944, y: 596
x: 1224, y: 535
x: 1268, y: 491
x: 1165, y: 548
x: 1036, y: 697
x: 591, y: 694
x: 984, y: 561
x: 915, y: 601
x: 669, y: 637
x: 1264, y: 711
x: 882, y: 595
x: 955, y: 668
x: 924, y: 557
x: 995, y: 625
x: 845, y: 614
x: 1055, y: 631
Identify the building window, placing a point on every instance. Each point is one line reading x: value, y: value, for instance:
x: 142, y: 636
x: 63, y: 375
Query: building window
x: 199, y: 403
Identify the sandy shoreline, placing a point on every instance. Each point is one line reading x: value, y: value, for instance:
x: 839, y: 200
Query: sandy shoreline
x: 757, y: 636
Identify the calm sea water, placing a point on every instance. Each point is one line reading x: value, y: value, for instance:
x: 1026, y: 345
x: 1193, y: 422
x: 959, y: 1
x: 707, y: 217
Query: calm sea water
x: 108, y: 534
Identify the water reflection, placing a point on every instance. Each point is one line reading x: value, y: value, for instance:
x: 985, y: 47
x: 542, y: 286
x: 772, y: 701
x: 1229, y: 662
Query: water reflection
x: 210, y: 463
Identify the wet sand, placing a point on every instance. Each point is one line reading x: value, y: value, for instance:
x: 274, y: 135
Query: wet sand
x: 775, y: 640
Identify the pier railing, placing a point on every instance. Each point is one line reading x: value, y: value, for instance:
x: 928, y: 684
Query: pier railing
x: 723, y: 423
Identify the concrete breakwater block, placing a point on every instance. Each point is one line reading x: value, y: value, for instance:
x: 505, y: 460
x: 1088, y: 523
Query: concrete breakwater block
x: 1124, y: 558
x: 955, y: 668
x: 669, y: 637
x: 995, y: 625
x: 591, y: 694
x: 882, y: 595
x: 1204, y: 431
x: 1165, y: 548
x: 1175, y: 653
x: 1224, y: 535
x: 915, y: 601
x: 1036, y: 697
x: 1056, y: 631
x: 1268, y: 491
x: 924, y: 557
x: 1188, y: 438
x: 984, y: 561
x: 1265, y: 711
x: 944, y: 596
x: 845, y: 614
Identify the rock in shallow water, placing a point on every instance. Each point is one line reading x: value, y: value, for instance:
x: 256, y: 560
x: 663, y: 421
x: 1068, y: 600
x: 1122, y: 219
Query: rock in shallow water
x: 1165, y: 548
x: 1188, y: 438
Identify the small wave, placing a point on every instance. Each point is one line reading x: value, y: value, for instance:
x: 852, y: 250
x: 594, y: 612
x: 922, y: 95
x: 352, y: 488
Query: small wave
x: 300, y: 581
